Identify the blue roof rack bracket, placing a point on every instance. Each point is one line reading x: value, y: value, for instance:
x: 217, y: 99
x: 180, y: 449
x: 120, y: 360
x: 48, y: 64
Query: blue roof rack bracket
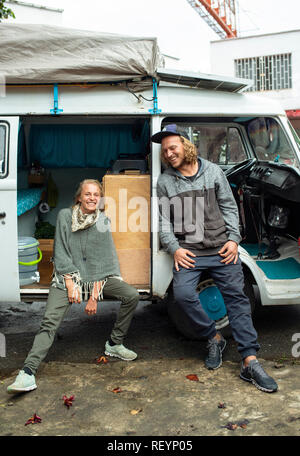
x: 155, y: 109
x: 55, y: 109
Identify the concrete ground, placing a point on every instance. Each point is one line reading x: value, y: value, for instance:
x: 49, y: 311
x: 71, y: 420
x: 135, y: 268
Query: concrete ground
x: 155, y: 396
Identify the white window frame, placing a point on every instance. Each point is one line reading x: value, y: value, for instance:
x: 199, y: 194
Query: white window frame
x: 4, y: 159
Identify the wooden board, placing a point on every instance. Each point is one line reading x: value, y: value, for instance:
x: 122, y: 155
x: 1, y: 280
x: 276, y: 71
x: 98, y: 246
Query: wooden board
x: 127, y: 204
x: 135, y: 266
x: 45, y: 267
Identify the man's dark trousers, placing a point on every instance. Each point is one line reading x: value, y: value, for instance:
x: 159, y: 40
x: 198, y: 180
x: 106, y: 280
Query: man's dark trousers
x: 229, y: 278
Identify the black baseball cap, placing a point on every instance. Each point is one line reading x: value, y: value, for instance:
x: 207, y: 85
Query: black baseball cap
x: 169, y: 130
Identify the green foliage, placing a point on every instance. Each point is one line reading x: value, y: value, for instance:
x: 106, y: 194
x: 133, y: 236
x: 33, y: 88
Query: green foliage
x: 5, y: 12
x: 44, y: 230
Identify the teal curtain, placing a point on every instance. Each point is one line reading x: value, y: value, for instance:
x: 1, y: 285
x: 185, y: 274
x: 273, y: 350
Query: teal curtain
x: 86, y: 146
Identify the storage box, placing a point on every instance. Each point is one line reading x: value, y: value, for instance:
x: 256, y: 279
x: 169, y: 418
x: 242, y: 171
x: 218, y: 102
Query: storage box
x: 135, y: 266
x: 45, y: 266
x: 127, y: 204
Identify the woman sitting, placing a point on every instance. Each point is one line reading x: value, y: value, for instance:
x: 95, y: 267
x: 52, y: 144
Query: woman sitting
x: 86, y: 268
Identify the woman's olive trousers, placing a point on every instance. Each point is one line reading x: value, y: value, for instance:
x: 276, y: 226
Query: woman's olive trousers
x: 58, y: 306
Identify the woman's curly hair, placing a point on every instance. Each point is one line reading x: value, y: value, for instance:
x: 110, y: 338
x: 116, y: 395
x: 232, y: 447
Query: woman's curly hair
x: 190, y: 152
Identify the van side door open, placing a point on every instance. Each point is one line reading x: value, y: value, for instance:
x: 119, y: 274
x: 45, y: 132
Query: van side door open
x: 9, y: 275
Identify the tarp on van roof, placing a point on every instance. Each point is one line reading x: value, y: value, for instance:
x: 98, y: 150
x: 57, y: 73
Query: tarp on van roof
x: 35, y: 54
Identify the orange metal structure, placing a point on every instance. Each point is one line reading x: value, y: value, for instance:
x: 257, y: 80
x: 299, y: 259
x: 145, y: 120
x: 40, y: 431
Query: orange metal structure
x: 220, y: 15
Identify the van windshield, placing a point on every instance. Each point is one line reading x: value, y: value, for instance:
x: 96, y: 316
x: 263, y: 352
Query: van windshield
x: 269, y: 141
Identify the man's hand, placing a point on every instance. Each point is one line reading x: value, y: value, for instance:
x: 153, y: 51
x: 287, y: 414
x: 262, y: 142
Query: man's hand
x: 181, y: 257
x: 91, y: 306
x: 229, y: 252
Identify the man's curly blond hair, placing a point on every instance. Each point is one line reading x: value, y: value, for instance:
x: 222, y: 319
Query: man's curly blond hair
x: 190, y: 152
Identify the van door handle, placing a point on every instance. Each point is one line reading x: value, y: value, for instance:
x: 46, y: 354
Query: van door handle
x: 2, y: 215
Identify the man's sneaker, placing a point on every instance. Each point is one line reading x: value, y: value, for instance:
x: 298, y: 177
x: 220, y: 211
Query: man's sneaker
x: 215, y: 349
x: 255, y: 373
x: 120, y: 352
x: 22, y: 384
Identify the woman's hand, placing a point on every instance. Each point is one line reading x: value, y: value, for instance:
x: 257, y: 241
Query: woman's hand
x: 182, y: 258
x: 229, y: 252
x: 91, y: 306
x: 73, y: 291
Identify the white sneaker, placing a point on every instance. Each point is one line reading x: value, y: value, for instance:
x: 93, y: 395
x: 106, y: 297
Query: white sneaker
x: 22, y: 384
x: 120, y: 352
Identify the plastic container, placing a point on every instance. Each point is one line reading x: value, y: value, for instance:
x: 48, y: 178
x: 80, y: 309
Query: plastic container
x: 29, y: 257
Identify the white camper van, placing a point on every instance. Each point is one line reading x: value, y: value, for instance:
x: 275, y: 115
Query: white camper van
x: 91, y: 115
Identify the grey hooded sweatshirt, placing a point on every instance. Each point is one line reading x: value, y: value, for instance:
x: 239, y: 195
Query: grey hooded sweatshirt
x: 199, y: 213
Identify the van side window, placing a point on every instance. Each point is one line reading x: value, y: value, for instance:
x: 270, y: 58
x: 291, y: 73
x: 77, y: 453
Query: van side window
x: 3, y: 150
x: 221, y: 145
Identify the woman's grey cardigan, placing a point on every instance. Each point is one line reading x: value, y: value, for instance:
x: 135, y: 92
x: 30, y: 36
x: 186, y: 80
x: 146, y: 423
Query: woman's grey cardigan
x: 89, y: 256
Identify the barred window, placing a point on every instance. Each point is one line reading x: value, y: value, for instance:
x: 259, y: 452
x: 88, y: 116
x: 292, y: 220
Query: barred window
x: 272, y: 72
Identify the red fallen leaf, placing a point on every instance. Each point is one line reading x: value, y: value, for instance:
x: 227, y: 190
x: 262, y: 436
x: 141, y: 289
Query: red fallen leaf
x: 230, y: 426
x: 292, y: 418
x: 221, y: 405
x: 234, y: 426
x: 117, y: 390
x: 243, y: 424
x: 193, y: 377
x: 102, y: 359
x: 33, y: 420
x: 68, y: 401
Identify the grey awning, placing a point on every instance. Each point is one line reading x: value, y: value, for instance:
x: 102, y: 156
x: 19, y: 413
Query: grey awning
x: 203, y: 81
x: 41, y: 54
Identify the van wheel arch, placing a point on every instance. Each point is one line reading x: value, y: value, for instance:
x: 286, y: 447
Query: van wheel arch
x: 248, y: 287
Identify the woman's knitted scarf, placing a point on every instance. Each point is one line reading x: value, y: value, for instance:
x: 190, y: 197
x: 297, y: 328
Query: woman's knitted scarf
x: 81, y: 221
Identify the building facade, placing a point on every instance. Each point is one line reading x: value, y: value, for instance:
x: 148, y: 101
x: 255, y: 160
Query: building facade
x: 271, y: 61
